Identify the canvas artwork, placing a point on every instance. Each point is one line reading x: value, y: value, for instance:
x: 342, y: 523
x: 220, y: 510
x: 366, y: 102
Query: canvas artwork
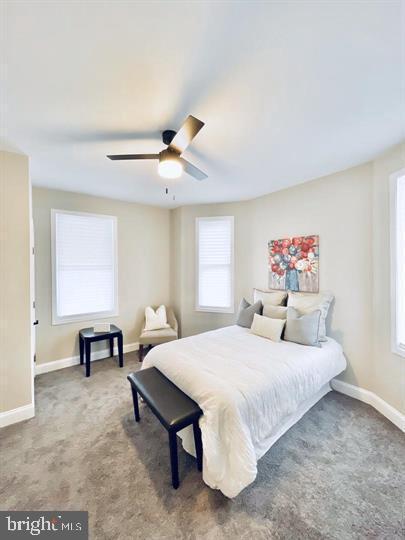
x: 294, y: 264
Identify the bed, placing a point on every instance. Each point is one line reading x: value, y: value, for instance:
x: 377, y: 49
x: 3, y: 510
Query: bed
x: 251, y: 391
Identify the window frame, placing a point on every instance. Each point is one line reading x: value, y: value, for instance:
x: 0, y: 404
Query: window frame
x: 56, y: 319
x: 396, y: 346
x: 214, y: 309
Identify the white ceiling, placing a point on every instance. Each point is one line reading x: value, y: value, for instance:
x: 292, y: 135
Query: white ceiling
x: 289, y: 91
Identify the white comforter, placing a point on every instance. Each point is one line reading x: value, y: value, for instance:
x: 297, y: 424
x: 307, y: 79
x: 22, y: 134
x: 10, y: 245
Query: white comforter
x: 246, y: 386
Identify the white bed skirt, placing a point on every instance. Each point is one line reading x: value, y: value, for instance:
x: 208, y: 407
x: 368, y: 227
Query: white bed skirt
x: 187, y: 436
x: 298, y: 414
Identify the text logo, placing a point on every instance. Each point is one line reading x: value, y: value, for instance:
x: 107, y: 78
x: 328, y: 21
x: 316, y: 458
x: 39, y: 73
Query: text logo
x: 30, y: 524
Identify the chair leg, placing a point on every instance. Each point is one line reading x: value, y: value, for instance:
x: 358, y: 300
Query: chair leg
x: 173, y: 459
x: 198, y: 445
x: 141, y: 353
x: 136, y: 405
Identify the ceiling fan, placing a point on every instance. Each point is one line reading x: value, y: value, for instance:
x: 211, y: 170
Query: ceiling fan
x: 171, y: 164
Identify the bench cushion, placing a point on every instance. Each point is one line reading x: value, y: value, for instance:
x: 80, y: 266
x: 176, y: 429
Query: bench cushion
x: 172, y: 406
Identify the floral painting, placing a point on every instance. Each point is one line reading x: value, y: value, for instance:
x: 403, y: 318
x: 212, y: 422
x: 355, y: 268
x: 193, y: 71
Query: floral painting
x: 294, y: 264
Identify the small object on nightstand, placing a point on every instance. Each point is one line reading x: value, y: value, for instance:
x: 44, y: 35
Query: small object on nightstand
x: 102, y: 327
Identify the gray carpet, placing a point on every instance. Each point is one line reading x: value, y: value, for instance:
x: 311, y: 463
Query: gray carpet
x: 337, y: 474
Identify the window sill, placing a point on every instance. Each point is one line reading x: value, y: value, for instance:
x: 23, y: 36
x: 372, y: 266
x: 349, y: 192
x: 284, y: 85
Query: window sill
x: 214, y: 310
x: 85, y: 317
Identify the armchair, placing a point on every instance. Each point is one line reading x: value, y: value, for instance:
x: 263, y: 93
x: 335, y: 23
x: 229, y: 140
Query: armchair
x: 157, y: 337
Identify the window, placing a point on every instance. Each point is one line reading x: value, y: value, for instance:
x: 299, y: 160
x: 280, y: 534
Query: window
x: 398, y: 261
x: 84, y: 266
x: 214, y: 241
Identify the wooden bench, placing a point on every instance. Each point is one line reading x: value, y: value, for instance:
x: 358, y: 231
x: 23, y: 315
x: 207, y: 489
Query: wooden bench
x: 174, y: 409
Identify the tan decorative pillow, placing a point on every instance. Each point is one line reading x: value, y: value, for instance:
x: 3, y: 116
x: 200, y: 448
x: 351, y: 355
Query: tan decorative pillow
x: 275, y: 312
x: 272, y: 297
x: 267, y: 328
x: 308, y: 302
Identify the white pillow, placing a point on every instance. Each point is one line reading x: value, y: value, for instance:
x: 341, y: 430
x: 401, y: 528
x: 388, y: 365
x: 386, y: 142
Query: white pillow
x: 274, y: 298
x: 155, y: 320
x: 267, y: 328
x: 308, y: 302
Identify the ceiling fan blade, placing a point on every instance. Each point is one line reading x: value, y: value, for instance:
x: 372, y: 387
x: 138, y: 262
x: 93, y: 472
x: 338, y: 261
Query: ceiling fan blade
x: 133, y: 156
x: 192, y: 170
x: 186, y: 134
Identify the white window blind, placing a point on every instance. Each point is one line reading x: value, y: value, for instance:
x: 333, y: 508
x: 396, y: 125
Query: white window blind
x: 84, y: 266
x: 398, y: 233
x: 214, y: 240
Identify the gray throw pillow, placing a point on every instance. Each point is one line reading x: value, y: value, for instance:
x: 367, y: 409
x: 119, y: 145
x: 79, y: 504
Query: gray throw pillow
x: 247, y: 312
x: 303, y: 329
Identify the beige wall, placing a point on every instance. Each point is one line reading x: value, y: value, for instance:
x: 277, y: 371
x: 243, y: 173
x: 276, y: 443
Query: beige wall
x: 15, y: 315
x: 143, y: 266
x: 389, y: 368
x: 348, y: 210
x: 191, y: 321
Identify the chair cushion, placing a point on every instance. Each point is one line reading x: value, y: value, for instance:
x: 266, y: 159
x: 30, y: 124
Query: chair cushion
x: 155, y: 337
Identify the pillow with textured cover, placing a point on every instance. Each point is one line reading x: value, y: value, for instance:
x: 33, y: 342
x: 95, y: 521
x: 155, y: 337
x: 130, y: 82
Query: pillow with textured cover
x: 247, y: 312
x: 267, y: 327
x: 308, y: 302
x: 302, y: 329
x: 270, y: 297
x: 155, y: 320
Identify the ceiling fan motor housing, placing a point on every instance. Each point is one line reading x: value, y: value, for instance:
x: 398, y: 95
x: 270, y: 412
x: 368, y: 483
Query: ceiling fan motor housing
x: 168, y: 136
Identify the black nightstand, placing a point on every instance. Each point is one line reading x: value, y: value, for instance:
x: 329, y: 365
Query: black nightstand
x: 86, y: 338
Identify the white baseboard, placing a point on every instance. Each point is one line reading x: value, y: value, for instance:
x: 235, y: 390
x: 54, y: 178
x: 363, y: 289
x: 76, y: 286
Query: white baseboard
x: 372, y: 399
x: 74, y: 360
x: 17, y: 415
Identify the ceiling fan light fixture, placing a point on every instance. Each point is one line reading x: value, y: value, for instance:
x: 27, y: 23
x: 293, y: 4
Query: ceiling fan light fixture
x: 169, y: 167
x: 171, y: 163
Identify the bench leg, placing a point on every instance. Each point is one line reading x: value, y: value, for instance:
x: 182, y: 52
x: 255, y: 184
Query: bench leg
x: 120, y: 350
x: 141, y: 353
x: 198, y: 445
x: 136, y: 405
x: 87, y: 345
x: 173, y: 459
x: 111, y: 346
x: 81, y: 349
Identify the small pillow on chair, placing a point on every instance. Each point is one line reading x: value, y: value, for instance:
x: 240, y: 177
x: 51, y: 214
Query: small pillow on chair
x: 155, y: 320
x: 247, y: 312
